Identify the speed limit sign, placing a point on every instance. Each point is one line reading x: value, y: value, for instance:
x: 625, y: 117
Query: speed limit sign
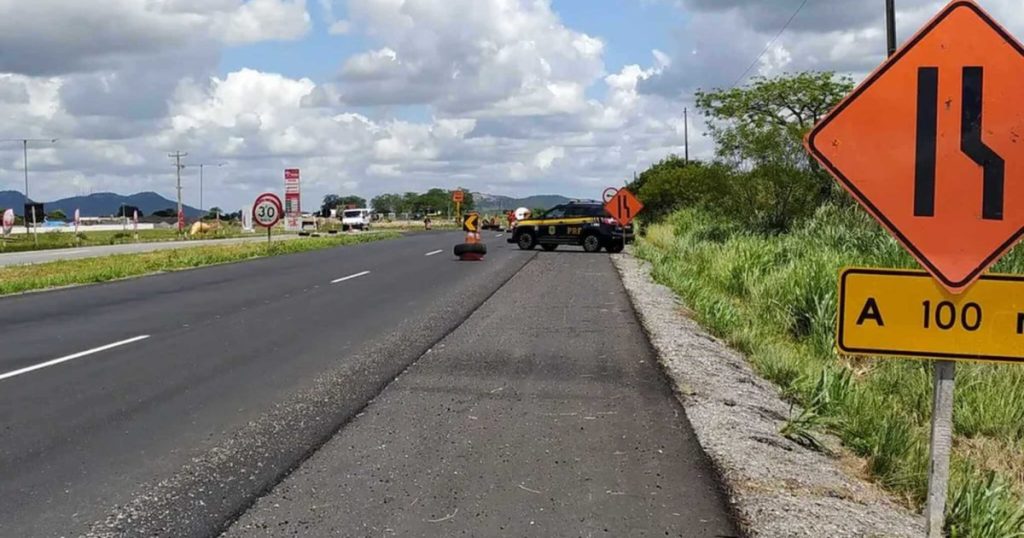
x: 609, y: 193
x: 267, y: 210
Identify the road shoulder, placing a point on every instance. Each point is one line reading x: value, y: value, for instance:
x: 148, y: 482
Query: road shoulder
x: 544, y: 414
x: 778, y: 487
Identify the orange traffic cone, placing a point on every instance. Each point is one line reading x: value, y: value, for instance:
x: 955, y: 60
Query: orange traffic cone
x: 472, y: 250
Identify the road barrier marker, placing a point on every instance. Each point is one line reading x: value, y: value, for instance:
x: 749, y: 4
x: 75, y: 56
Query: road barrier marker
x: 350, y: 277
x: 86, y: 353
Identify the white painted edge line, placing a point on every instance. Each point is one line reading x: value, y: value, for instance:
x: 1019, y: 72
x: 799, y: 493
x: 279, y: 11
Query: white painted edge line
x: 350, y: 277
x: 55, y: 362
x: 434, y: 253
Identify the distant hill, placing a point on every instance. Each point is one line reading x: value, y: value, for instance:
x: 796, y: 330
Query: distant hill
x: 100, y: 204
x: 489, y: 202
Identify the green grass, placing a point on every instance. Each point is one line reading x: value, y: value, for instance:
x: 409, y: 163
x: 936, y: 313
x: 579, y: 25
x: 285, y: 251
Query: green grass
x: 85, y: 238
x: 774, y: 298
x: 21, y: 278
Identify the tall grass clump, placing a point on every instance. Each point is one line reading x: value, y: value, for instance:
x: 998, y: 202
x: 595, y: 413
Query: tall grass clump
x: 773, y: 296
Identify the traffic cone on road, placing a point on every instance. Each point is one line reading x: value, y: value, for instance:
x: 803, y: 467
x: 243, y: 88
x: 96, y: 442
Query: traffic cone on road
x: 473, y: 249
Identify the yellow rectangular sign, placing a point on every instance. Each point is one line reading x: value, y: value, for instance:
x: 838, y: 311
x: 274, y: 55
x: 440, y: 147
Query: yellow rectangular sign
x: 908, y: 313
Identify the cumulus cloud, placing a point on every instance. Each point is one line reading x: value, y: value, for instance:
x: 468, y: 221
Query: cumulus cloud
x: 465, y: 56
x: 847, y: 36
x: 498, y: 95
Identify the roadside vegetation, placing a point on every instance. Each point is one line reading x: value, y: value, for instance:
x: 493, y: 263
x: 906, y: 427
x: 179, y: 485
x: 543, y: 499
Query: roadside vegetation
x: 86, y: 238
x: 753, y: 242
x: 22, y: 278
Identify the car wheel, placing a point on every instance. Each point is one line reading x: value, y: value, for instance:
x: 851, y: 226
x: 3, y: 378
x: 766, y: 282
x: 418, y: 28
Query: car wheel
x: 550, y: 248
x: 592, y: 243
x: 616, y: 247
x: 526, y: 241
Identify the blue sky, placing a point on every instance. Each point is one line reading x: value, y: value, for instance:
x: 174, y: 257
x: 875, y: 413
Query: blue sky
x: 630, y: 30
x: 501, y: 96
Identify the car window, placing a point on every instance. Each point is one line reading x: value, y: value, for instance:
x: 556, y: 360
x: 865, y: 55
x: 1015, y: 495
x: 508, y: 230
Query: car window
x: 555, y: 213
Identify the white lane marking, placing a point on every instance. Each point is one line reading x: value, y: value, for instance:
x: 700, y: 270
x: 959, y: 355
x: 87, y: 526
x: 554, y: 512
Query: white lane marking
x: 55, y: 362
x: 350, y: 277
x: 61, y: 252
x: 434, y: 253
x: 499, y: 235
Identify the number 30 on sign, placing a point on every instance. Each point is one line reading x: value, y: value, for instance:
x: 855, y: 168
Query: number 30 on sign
x: 907, y: 313
x: 267, y: 210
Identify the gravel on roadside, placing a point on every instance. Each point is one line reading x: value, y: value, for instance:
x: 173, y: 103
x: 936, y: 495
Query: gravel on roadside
x: 777, y: 487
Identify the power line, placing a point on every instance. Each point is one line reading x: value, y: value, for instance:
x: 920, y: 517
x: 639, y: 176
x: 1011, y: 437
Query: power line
x: 770, y: 43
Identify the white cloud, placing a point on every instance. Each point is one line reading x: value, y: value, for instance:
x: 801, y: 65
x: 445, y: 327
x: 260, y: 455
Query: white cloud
x: 493, y: 94
x: 465, y: 56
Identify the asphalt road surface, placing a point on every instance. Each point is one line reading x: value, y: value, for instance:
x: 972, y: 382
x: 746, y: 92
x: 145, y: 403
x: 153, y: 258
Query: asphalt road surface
x: 544, y: 414
x: 49, y: 255
x: 234, y: 371
x: 166, y: 405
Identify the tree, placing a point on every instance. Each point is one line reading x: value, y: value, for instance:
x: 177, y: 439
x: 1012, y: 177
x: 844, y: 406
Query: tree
x: 129, y: 211
x: 387, y: 203
x: 769, y: 182
x: 56, y: 214
x: 214, y: 213
x: 410, y: 202
x: 166, y: 213
x: 433, y: 201
x: 334, y: 201
x: 764, y: 123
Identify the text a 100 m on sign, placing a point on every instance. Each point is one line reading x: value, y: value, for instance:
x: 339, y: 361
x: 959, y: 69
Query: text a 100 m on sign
x: 908, y: 314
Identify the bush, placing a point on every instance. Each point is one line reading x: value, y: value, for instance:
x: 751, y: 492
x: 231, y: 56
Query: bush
x: 774, y: 298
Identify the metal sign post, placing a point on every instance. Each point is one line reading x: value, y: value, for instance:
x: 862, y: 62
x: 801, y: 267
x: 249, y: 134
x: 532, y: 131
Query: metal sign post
x: 941, y: 447
x: 925, y: 144
x: 267, y: 212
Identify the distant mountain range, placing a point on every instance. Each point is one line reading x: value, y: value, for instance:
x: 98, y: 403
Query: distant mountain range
x: 100, y: 204
x: 490, y: 202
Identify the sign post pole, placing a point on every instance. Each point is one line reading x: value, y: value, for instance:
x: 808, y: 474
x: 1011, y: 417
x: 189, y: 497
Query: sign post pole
x: 266, y: 212
x: 920, y: 197
x: 35, y: 228
x: 941, y: 446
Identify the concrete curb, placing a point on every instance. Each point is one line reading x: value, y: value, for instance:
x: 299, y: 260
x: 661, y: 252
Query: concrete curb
x: 777, y: 487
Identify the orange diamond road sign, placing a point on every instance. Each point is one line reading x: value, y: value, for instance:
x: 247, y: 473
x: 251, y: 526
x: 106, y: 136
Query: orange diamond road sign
x: 458, y: 197
x: 624, y: 207
x: 931, y: 144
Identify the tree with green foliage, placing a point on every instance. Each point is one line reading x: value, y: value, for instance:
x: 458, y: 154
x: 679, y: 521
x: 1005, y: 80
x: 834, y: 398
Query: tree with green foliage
x: 166, y: 213
x: 335, y: 201
x: 765, y: 179
x: 387, y: 203
x: 57, y: 214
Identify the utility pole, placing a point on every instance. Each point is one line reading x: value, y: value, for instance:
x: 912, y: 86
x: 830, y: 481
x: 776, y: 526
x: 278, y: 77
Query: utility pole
x: 890, y: 25
x: 24, y: 147
x: 200, y: 166
x: 686, y: 136
x: 177, y: 156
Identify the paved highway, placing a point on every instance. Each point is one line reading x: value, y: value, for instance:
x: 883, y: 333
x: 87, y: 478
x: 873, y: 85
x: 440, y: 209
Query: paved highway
x: 544, y: 414
x: 165, y: 405
x: 40, y: 256
x: 106, y: 387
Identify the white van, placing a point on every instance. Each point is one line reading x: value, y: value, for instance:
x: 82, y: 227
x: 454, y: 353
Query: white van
x: 358, y: 219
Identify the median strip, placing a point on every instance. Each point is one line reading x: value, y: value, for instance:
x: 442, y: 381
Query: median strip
x: 350, y: 277
x: 86, y: 353
x: 22, y: 278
